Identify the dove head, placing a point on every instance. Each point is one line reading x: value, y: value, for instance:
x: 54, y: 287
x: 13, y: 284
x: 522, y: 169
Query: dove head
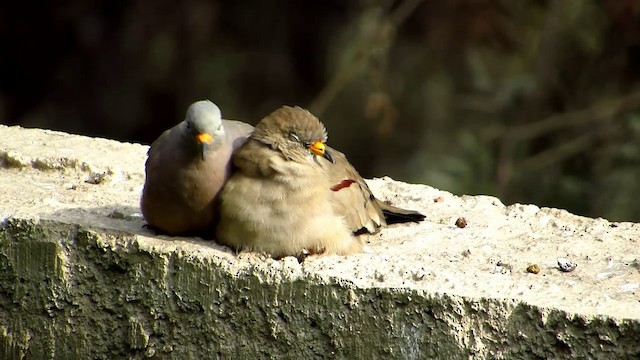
x: 295, y: 132
x: 203, y: 125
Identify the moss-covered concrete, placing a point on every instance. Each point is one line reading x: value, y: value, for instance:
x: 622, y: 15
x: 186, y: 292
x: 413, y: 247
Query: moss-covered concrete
x: 68, y: 292
x: 81, y: 279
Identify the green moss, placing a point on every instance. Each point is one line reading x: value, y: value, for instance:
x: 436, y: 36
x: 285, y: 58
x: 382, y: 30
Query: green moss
x: 76, y: 293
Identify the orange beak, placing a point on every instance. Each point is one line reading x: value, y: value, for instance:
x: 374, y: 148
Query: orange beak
x: 205, y: 138
x: 319, y: 149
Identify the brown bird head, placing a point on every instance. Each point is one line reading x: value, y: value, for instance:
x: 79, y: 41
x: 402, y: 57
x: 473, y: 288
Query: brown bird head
x: 295, y: 132
x: 203, y: 125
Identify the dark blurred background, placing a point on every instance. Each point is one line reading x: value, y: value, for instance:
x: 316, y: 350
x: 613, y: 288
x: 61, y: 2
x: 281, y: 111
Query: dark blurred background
x: 531, y: 101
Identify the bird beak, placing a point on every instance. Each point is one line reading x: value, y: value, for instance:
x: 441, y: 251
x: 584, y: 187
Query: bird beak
x: 319, y: 149
x: 327, y: 155
x: 205, y: 138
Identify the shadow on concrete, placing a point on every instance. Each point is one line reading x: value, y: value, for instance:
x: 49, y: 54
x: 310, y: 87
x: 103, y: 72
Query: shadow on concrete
x: 121, y: 218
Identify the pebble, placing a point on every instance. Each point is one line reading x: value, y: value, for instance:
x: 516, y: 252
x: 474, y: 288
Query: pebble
x: 566, y: 265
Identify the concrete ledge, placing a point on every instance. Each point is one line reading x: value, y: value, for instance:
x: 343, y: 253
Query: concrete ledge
x: 80, y: 278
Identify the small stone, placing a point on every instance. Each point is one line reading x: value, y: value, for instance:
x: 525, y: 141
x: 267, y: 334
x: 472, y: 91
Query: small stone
x: 565, y: 265
x: 96, y: 178
x: 533, y: 269
x: 461, y: 222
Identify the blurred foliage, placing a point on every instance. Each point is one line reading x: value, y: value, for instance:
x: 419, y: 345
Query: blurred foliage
x: 532, y: 101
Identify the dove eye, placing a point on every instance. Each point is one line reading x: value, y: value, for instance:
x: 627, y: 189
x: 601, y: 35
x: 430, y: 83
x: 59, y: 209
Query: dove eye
x: 294, y: 137
x: 188, y: 125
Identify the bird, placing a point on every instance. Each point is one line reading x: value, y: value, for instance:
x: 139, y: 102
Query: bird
x: 291, y: 194
x: 186, y: 167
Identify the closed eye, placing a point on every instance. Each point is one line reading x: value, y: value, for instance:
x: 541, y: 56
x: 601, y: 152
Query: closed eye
x: 294, y: 137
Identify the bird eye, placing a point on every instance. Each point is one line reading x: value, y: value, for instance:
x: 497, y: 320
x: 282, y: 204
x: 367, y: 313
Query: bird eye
x: 294, y: 137
x: 188, y: 125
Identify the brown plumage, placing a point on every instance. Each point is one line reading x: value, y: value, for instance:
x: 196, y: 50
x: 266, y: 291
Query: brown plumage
x: 291, y: 193
x: 186, y: 168
x: 355, y: 202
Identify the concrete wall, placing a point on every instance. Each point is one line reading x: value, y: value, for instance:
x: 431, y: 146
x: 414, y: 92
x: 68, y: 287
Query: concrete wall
x: 80, y: 277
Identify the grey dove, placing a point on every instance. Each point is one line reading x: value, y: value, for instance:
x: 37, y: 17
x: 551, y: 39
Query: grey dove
x: 186, y: 168
x: 291, y: 194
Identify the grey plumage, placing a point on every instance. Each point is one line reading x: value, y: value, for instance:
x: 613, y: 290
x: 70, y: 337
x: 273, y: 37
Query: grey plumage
x: 186, y: 168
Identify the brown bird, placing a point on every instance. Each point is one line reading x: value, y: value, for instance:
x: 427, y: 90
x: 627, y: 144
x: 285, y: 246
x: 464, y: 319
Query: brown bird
x: 291, y: 193
x: 186, y: 168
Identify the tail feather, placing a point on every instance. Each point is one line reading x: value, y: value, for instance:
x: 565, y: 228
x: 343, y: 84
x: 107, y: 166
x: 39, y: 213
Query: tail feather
x: 396, y: 215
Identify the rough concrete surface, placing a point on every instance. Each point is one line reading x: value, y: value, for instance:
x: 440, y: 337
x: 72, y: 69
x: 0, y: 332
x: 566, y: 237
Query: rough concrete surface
x: 81, y: 279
